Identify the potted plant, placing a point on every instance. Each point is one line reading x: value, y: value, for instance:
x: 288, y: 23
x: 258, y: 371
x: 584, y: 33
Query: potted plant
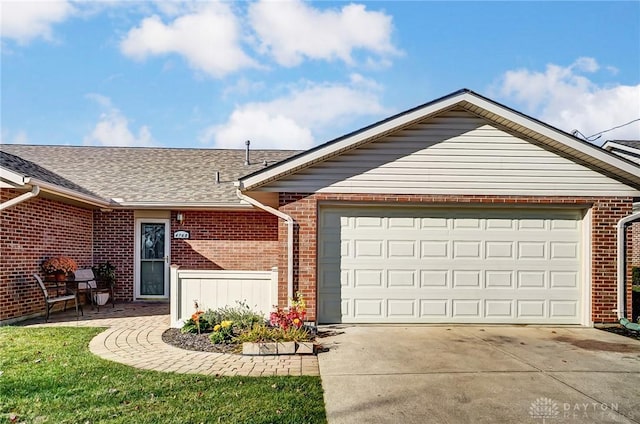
x: 105, y: 272
x: 59, y: 267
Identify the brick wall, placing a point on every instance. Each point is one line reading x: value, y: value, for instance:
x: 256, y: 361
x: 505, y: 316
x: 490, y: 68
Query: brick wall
x: 30, y: 232
x: 218, y: 240
x: 606, y: 212
x: 235, y: 240
x: 114, y: 241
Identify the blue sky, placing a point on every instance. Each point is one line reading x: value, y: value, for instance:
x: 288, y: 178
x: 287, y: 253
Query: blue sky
x: 292, y: 74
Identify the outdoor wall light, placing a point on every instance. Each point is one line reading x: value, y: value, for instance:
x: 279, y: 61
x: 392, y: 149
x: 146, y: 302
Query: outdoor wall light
x: 180, y: 218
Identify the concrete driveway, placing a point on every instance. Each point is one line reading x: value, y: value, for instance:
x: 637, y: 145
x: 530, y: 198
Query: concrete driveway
x: 472, y: 374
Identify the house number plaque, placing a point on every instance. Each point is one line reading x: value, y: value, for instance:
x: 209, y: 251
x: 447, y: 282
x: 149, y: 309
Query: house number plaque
x: 182, y: 234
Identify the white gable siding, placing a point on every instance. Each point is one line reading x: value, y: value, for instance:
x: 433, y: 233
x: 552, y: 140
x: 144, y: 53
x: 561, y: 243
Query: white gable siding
x: 454, y: 153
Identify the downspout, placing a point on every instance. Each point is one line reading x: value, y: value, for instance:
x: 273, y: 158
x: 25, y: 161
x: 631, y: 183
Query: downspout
x: 35, y: 190
x: 290, y: 227
x: 622, y: 262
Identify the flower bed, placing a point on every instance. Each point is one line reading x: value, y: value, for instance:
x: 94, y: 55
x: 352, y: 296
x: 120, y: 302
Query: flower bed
x: 231, y: 327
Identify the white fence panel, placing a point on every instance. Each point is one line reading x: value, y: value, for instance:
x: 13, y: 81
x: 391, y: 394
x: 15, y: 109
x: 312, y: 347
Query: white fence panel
x: 216, y: 289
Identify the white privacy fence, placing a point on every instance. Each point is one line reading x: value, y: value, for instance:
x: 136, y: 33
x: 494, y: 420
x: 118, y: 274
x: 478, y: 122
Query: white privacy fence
x: 215, y: 289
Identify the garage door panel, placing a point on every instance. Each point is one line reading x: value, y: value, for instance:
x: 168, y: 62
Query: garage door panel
x: 495, y: 279
x: 563, y: 308
x: 466, y: 279
x: 402, y: 278
x: 428, y: 265
x: 564, y: 250
x: 368, y: 308
x: 434, y: 308
x: 401, y: 308
x: 368, y: 278
x: 564, y: 279
x: 529, y: 309
x: 499, y: 308
x: 466, y: 308
x: 403, y: 249
x: 499, y: 250
x: 434, y: 278
x: 468, y: 249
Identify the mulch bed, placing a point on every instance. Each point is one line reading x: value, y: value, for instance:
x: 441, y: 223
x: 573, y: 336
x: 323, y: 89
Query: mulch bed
x: 197, y: 342
x: 622, y: 331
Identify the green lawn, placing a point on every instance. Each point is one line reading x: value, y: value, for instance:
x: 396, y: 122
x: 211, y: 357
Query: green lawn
x: 48, y: 375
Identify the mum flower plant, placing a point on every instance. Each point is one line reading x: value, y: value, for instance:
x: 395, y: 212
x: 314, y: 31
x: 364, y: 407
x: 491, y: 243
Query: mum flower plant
x: 59, y: 265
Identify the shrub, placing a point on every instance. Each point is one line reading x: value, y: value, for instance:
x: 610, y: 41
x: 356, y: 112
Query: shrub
x: 635, y: 275
x: 243, y: 317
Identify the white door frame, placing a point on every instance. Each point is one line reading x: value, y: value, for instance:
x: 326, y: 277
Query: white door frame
x: 167, y: 261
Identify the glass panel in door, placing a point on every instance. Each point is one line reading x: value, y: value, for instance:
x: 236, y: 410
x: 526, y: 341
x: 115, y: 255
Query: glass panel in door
x: 152, y: 259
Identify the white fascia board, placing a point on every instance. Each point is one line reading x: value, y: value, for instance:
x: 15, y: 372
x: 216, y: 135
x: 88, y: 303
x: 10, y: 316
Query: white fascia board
x: 13, y: 177
x: 322, y: 153
x: 69, y: 194
x: 182, y: 205
x: 611, y: 145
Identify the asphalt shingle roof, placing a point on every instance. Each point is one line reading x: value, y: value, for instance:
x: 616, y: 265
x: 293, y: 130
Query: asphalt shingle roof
x: 140, y: 174
x: 629, y: 143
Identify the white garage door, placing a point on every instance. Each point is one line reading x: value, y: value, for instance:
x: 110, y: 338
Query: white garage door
x: 455, y: 265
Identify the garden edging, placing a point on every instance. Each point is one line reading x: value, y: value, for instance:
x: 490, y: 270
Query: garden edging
x: 278, y: 348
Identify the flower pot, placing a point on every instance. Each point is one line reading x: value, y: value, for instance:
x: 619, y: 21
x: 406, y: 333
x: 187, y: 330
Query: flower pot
x: 58, y: 276
x: 100, y: 298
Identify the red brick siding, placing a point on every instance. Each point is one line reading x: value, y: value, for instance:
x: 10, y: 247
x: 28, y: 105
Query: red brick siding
x: 30, y: 232
x: 114, y: 241
x: 606, y: 212
x: 235, y: 240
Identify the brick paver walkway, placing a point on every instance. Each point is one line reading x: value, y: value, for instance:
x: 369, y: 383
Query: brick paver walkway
x: 134, y: 338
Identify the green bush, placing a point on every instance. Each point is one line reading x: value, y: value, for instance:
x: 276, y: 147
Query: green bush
x: 635, y: 275
x: 243, y: 317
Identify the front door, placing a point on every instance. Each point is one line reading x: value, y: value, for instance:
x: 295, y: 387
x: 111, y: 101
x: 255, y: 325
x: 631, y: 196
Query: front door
x: 152, y: 254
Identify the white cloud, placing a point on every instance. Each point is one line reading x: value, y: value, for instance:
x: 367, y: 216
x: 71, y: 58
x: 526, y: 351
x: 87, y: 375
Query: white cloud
x: 264, y: 129
x: 24, y: 21
x: 208, y: 38
x: 566, y: 98
x: 293, y: 30
x: 112, y: 128
x: 293, y: 121
x: 19, y: 137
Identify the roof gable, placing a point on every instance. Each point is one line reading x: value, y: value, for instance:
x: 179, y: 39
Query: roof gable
x: 455, y: 152
x: 503, y: 117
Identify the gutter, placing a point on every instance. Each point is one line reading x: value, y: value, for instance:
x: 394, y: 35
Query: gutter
x: 290, y: 226
x: 179, y: 205
x: 70, y: 194
x: 35, y: 190
x: 622, y: 262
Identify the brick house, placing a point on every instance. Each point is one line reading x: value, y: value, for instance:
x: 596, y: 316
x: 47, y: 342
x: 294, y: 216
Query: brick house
x: 98, y: 204
x: 459, y: 210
